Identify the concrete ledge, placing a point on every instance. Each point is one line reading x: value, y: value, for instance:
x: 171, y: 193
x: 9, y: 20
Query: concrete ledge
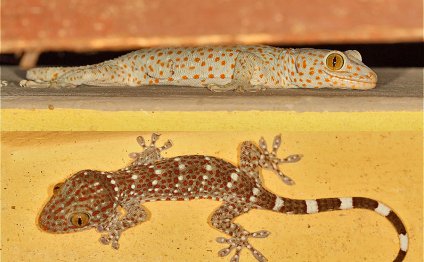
x: 398, y: 90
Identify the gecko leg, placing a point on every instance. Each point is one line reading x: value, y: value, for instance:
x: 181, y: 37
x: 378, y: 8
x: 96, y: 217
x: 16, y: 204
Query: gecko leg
x: 150, y: 153
x: 135, y: 214
x: 270, y: 160
x: 245, y: 66
x: 252, y: 157
x: 222, y: 219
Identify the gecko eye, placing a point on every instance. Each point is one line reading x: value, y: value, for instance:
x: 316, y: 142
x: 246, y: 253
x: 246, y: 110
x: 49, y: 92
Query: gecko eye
x: 80, y: 219
x: 57, y: 187
x: 335, y: 61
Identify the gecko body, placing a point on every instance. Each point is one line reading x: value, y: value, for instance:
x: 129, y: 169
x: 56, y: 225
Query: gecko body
x: 90, y: 199
x: 219, y: 68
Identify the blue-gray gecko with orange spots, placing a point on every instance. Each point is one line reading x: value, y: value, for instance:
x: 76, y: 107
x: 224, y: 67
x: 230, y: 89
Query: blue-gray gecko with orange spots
x: 219, y: 68
x: 91, y: 199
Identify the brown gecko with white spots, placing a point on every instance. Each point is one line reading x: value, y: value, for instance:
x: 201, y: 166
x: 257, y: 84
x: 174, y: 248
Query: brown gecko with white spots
x: 90, y: 199
x: 219, y: 68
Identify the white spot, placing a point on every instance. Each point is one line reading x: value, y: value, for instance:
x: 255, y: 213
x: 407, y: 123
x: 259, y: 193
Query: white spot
x: 311, y: 206
x: 177, y: 185
x: 96, y: 184
x: 177, y: 159
x: 403, y: 242
x: 156, y: 189
x: 132, y: 186
x: 382, y: 209
x: 181, y: 167
x: 229, y: 185
x: 175, y: 191
x: 237, y: 170
x: 252, y: 199
x: 189, y: 189
x: 180, y: 178
x: 203, y: 183
x: 207, y: 158
x: 205, y: 177
x: 255, y: 191
x: 102, y: 173
x: 234, y: 176
x: 346, y: 203
x: 208, y: 167
x: 134, y: 176
x: 154, y: 182
x: 112, y: 182
x: 108, y: 176
x: 151, y: 166
x: 116, y: 188
x: 278, y: 204
x: 158, y: 171
x: 85, y: 173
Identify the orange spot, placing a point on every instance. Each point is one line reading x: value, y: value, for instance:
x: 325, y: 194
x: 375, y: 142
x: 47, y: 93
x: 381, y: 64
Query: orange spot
x: 223, y: 62
x: 197, y: 59
x: 210, y: 49
x: 327, y: 80
x: 211, y: 76
x: 152, y: 58
x: 355, y: 74
x: 177, y: 59
x: 319, y: 71
x: 170, y: 52
x: 125, y: 66
x: 150, y: 82
x: 304, y: 64
x: 112, y: 76
x: 230, y: 54
x: 301, y: 73
x: 233, y: 66
x: 308, y: 80
x: 349, y: 67
x: 183, y: 65
x: 138, y: 82
x: 217, y: 59
x: 311, y: 72
x: 304, y: 85
x: 161, y: 73
x: 202, y: 53
x: 196, y: 76
x: 185, y: 58
x: 261, y: 75
x: 203, y: 63
x: 179, y: 52
x: 210, y: 68
x: 160, y: 54
x: 317, y: 78
x: 222, y: 76
x: 210, y: 55
x: 170, y: 79
x: 292, y: 73
x: 358, y: 68
x: 156, y: 81
x: 320, y: 83
x: 184, y: 77
x: 192, y: 67
x: 322, y: 56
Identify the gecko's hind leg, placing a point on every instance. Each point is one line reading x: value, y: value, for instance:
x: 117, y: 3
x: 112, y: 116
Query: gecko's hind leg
x: 245, y: 66
x: 222, y: 219
x: 135, y: 214
x: 150, y: 153
x: 252, y: 157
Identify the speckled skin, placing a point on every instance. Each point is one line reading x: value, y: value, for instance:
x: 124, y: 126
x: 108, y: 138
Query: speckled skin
x: 238, y: 68
x: 90, y: 199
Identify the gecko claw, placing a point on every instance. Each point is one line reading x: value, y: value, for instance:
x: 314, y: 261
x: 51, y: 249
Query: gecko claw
x: 151, y: 153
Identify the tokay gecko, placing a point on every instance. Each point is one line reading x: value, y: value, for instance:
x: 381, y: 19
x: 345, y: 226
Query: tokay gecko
x: 91, y: 199
x: 219, y: 68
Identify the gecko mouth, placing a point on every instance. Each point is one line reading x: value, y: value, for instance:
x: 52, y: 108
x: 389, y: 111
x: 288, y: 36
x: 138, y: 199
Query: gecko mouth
x: 369, y: 79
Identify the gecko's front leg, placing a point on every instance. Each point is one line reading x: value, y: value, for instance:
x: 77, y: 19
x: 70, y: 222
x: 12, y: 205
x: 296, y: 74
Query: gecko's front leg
x: 245, y: 66
x: 150, y: 153
x: 135, y: 214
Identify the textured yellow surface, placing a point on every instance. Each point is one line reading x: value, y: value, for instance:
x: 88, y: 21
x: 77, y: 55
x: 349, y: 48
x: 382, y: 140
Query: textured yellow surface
x: 386, y: 166
x: 92, y: 120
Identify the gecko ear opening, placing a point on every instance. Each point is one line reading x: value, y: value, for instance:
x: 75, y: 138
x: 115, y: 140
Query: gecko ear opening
x: 355, y: 54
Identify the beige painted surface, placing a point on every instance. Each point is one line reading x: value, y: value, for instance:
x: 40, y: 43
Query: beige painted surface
x: 386, y: 166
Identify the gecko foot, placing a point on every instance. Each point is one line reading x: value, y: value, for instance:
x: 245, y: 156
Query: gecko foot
x: 235, y: 86
x: 240, y: 241
x: 271, y: 161
x: 41, y: 84
x: 150, y: 153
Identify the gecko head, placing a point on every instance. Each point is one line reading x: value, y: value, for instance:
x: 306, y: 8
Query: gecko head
x: 330, y: 68
x: 81, y: 202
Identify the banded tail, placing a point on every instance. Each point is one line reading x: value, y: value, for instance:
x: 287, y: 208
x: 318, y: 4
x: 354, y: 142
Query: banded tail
x: 294, y: 206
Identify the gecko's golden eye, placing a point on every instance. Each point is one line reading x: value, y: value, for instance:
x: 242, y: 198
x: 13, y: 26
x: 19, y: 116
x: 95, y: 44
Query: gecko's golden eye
x: 335, y: 61
x: 80, y: 219
x: 57, y: 187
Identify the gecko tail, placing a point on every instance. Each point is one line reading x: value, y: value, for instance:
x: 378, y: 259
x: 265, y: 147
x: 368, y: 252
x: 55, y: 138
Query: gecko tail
x: 295, y: 206
x: 47, y: 74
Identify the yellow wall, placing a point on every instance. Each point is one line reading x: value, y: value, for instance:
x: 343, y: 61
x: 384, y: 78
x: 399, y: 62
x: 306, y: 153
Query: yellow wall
x: 384, y: 163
